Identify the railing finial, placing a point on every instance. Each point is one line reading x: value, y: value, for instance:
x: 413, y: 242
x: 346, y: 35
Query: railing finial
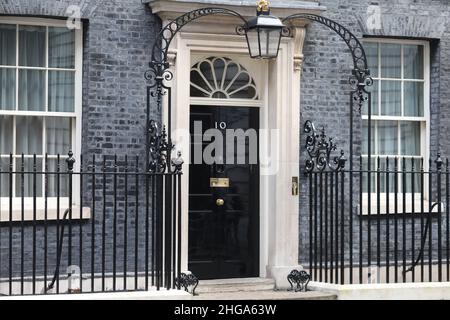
x: 342, y: 160
x: 70, y: 161
x: 439, y: 162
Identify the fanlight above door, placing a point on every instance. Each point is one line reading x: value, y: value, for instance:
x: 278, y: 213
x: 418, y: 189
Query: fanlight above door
x: 222, y: 78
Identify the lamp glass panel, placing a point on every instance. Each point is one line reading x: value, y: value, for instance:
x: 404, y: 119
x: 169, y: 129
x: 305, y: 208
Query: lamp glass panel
x: 270, y: 39
x: 253, y: 42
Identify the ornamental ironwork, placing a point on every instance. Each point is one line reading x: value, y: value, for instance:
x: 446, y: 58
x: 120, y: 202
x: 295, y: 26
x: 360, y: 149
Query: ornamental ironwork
x: 320, y: 149
x: 160, y: 150
x: 301, y: 280
x: 187, y: 281
x: 360, y: 74
x: 159, y: 143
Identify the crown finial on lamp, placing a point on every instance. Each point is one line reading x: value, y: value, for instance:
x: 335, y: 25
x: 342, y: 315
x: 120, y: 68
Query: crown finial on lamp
x: 263, y: 7
x: 263, y: 32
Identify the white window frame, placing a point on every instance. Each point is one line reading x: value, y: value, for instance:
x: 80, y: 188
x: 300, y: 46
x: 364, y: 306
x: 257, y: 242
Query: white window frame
x: 425, y: 131
x: 76, y: 124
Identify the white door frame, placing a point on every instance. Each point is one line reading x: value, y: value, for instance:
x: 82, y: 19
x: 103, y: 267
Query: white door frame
x: 279, y: 88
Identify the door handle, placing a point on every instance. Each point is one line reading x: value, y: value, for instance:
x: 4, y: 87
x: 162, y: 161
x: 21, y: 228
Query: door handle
x: 220, y: 202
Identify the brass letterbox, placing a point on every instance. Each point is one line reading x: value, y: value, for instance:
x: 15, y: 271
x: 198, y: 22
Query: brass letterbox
x: 219, y: 182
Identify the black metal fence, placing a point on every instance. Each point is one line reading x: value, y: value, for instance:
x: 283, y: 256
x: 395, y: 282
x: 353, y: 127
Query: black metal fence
x: 387, y: 221
x: 106, y: 226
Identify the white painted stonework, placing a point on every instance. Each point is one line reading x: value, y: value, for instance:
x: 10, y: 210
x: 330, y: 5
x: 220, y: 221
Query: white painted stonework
x: 138, y: 295
x: 397, y: 291
x: 278, y: 84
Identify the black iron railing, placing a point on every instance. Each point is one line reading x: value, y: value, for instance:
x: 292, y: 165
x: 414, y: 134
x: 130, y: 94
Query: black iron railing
x: 107, y: 226
x: 396, y: 229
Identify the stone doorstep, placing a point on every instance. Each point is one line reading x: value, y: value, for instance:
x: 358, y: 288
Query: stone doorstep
x: 252, y: 289
x: 266, y: 295
x: 235, y: 285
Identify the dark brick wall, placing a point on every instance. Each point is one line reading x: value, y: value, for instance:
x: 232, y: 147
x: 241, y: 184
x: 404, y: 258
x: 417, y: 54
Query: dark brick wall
x: 325, y: 89
x: 117, y: 40
x: 118, y: 37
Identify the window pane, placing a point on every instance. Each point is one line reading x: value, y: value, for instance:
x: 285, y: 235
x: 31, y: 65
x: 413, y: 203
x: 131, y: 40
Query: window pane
x: 32, y: 46
x: 372, y: 57
x: 391, y: 101
x: 374, y: 89
x: 7, y: 89
x: 367, y: 174
x: 410, y: 138
x: 61, y: 48
x: 32, y: 90
x: 384, y: 177
x: 387, y: 137
x: 53, y: 184
x: 413, y: 60
x: 7, y: 44
x: 391, y: 60
x: 414, y: 99
x: 365, y: 133
x: 58, y: 135
x: 29, y: 135
x: 61, y: 90
x: 6, y: 135
x: 4, y: 178
x: 26, y: 183
x: 409, y: 177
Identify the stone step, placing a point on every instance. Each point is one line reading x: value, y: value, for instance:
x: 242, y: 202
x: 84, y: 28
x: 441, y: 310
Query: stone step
x: 267, y: 295
x: 235, y: 285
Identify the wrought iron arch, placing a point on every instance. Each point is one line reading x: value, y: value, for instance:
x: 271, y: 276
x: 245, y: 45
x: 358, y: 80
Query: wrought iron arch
x: 360, y: 78
x: 166, y: 35
x: 359, y: 81
x: 159, y: 143
x: 361, y: 73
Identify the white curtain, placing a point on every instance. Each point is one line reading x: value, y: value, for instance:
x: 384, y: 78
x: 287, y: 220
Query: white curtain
x: 387, y: 137
x: 391, y: 62
x: 58, y: 141
x: 61, y: 48
x: 414, y: 99
x: 7, y: 58
x: 7, y: 44
x: 413, y: 61
x: 31, y: 90
x: 32, y: 46
x: 61, y: 54
x: 61, y: 90
x: 29, y: 135
x: 410, y: 142
x: 7, y: 89
x: 32, y: 54
x: 6, y: 135
x: 58, y: 135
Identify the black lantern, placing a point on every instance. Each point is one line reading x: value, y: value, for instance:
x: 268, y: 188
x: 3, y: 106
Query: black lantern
x: 264, y: 33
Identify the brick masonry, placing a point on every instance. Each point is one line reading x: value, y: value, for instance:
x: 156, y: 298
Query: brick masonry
x: 118, y: 35
x: 117, y: 40
x: 325, y: 89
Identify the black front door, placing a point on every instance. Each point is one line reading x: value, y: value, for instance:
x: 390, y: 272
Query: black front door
x: 224, y: 196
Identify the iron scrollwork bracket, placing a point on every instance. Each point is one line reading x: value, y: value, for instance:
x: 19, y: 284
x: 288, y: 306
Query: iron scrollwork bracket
x: 187, y: 281
x: 319, y: 149
x: 359, y: 81
x: 160, y: 150
x: 300, y: 278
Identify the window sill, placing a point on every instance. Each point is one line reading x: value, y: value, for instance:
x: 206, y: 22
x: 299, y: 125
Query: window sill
x: 409, y: 207
x: 41, y: 214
